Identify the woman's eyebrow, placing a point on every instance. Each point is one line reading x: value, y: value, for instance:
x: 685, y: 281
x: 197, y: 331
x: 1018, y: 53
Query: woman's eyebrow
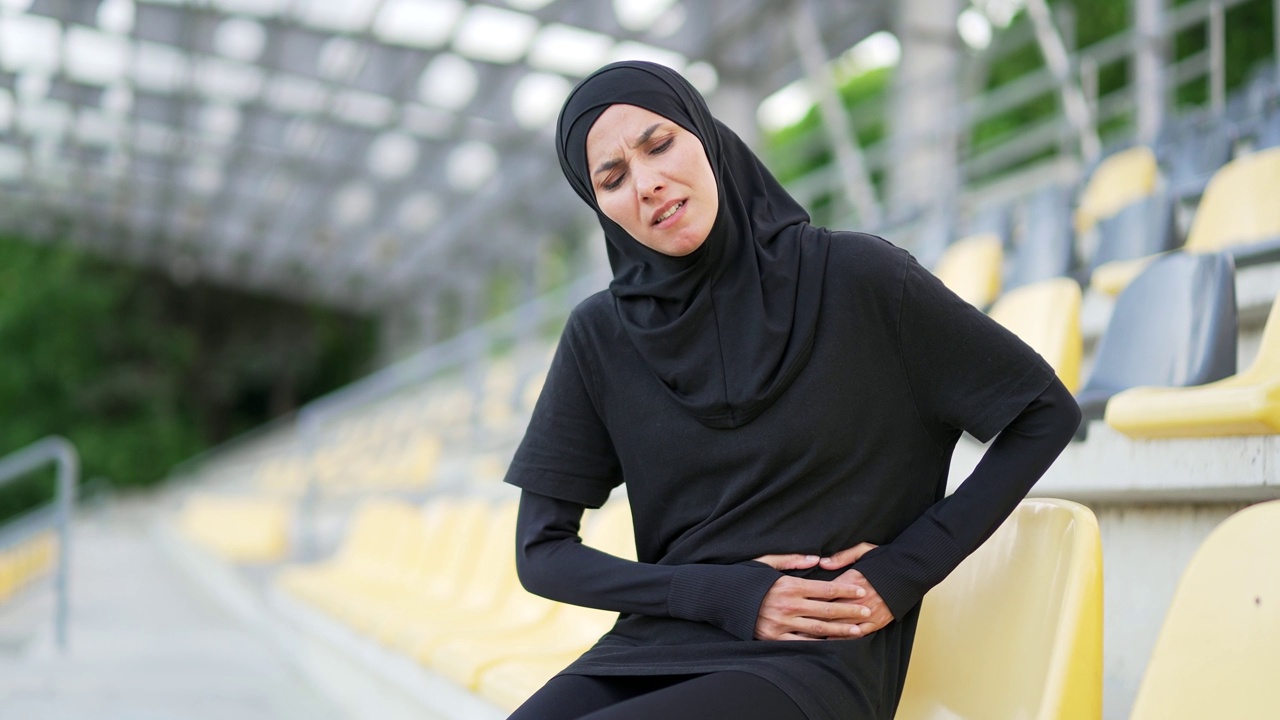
x: 644, y: 138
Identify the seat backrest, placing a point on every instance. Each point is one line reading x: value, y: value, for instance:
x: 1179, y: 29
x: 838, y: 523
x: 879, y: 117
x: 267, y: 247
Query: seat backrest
x: 1118, y: 181
x: 1200, y: 150
x: 1266, y: 364
x: 1145, y: 227
x: 1218, y: 653
x: 1046, y: 315
x: 609, y: 529
x: 970, y: 267
x: 1016, y: 630
x: 1046, y: 245
x: 1173, y: 326
x: 496, y: 556
x: 376, y: 530
x: 1239, y: 204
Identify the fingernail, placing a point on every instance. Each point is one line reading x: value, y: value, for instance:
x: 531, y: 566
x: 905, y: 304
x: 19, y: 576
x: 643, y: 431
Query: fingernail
x: 866, y: 612
x: 811, y: 558
x: 826, y: 559
x: 861, y: 593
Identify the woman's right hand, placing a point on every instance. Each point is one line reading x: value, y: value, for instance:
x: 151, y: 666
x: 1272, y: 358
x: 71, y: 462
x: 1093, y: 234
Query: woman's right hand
x: 800, y: 609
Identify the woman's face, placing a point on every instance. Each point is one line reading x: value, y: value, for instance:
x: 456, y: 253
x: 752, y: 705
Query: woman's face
x: 652, y: 177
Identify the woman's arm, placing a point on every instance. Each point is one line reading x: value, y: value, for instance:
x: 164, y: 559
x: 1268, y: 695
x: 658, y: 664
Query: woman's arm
x: 552, y: 562
x: 902, y: 571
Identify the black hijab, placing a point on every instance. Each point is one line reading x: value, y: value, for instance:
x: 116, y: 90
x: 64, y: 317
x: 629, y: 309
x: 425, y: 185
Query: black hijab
x: 729, y: 326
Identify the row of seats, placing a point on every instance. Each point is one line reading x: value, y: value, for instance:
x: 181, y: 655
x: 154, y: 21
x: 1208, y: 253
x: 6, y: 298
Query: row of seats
x: 437, y: 582
x: 1131, y: 220
x: 26, y: 561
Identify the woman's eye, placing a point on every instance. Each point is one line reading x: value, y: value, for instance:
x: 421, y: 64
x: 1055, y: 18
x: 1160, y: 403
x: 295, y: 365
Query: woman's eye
x: 662, y: 146
x: 613, y: 183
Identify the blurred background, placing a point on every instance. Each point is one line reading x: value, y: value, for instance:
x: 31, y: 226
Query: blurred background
x: 262, y: 261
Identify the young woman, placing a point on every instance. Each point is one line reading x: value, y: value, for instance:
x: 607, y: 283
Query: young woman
x: 781, y: 401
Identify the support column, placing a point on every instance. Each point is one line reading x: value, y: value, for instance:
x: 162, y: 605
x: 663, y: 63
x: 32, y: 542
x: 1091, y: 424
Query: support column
x: 1149, y: 61
x: 923, y: 172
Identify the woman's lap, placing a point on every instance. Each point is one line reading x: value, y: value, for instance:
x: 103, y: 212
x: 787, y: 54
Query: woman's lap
x: 671, y: 697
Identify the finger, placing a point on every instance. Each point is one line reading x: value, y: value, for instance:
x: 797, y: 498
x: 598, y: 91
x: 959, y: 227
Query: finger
x: 823, y: 590
x: 846, y: 612
x: 797, y: 636
x: 793, y: 561
x: 847, y: 556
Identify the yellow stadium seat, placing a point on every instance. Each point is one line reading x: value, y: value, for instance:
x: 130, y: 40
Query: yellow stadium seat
x: 239, y: 529
x: 1119, y: 180
x: 1238, y: 209
x: 509, y: 683
x: 569, y: 631
x: 1016, y: 630
x: 971, y: 268
x: 1244, y: 404
x: 1239, y: 204
x: 421, y: 604
x: 1046, y: 315
x: 1218, y: 653
x: 378, y: 529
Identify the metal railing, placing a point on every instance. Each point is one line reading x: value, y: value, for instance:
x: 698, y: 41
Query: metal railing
x: 61, y: 452
x: 1052, y: 138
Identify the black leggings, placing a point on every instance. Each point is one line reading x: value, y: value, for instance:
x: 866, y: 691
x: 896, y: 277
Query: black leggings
x: 669, y: 697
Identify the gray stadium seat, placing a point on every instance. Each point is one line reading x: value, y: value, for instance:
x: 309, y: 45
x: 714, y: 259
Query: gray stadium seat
x: 1173, y: 326
x: 1046, y: 249
x: 1144, y: 228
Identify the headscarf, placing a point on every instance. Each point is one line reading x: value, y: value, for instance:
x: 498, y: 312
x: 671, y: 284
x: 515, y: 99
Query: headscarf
x: 728, y: 327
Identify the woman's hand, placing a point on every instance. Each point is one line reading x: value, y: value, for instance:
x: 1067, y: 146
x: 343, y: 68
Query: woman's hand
x: 878, y: 615
x: 799, y: 609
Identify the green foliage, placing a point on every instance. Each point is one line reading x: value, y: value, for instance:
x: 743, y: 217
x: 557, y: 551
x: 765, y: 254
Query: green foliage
x: 1249, y: 42
x: 139, y: 373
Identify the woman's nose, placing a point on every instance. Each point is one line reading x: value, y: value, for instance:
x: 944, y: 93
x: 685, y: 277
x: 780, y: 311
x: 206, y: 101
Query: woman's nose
x: 648, y: 182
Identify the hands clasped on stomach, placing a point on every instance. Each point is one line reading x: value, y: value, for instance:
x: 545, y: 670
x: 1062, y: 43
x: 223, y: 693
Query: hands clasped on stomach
x: 799, y: 609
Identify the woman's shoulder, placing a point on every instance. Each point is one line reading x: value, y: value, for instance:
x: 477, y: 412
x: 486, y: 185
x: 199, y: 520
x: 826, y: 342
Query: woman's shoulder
x: 593, y: 321
x: 866, y: 257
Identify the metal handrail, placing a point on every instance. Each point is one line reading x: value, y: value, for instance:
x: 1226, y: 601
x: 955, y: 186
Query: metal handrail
x: 60, y: 451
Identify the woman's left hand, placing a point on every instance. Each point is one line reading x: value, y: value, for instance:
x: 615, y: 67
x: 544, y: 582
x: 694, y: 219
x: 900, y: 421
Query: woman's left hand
x: 880, y: 615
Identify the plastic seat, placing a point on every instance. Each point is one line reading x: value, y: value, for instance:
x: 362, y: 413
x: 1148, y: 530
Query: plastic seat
x: 1047, y: 246
x: 1175, y: 325
x: 1143, y: 229
x: 1119, y: 181
x: 1237, y: 214
x: 1046, y: 315
x: 1243, y: 404
x: 1218, y: 652
x: 570, y: 631
x: 239, y: 529
x: 1016, y: 630
x: 970, y: 267
x: 1195, y: 156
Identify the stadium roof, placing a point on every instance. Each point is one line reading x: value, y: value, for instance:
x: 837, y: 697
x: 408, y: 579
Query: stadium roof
x: 352, y: 152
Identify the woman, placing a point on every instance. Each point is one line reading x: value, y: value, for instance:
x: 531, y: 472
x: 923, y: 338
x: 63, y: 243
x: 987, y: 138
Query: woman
x: 782, y: 402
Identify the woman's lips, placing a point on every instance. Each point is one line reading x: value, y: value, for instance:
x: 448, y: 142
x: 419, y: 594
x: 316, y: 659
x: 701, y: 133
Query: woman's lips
x: 668, y: 212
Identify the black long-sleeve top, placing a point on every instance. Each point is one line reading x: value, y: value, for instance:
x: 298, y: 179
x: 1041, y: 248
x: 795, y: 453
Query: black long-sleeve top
x: 856, y: 450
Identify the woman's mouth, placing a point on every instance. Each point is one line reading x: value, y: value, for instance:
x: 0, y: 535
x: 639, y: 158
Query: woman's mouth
x: 670, y: 211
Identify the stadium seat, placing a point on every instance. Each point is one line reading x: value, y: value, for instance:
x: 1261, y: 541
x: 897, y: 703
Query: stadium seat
x: 25, y: 561
x: 1046, y: 248
x: 1142, y: 229
x: 569, y: 631
x: 1243, y: 404
x: 1016, y: 630
x: 1046, y: 315
x: 378, y: 529
x: 1237, y: 214
x: 509, y: 683
x: 238, y: 529
x: 1269, y: 130
x: 1119, y: 181
x: 1195, y: 155
x: 1175, y: 325
x: 970, y: 267
x: 1218, y: 652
